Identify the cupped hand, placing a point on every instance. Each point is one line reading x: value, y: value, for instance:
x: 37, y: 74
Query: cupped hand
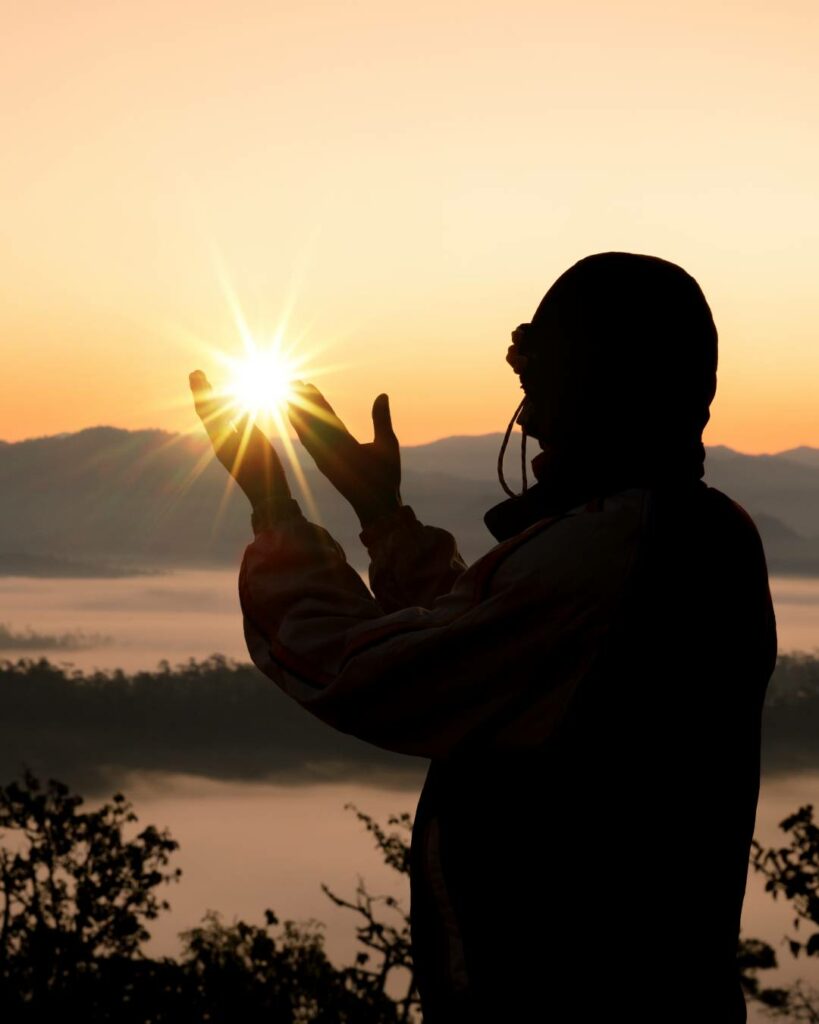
x: 367, y: 474
x: 242, y: 448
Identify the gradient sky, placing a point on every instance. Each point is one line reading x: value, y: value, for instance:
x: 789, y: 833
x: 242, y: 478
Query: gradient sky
x: 407, y: 180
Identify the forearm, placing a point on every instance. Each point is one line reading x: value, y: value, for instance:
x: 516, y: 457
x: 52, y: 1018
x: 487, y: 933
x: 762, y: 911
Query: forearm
x: 493, y: 662
x: 297, y: 590
x: 312, y: 626
x: 410, y: 564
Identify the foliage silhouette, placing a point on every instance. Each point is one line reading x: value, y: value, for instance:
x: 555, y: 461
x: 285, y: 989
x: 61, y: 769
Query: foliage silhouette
x: 388, y: 940
x: 75, y: 897
x: 77, y: 894
x: 793, y: 872
x: 246, y: 972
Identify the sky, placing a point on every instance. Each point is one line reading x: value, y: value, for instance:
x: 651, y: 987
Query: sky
x: 398, y: 185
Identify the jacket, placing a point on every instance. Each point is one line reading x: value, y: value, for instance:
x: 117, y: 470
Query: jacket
x: 589, y: 694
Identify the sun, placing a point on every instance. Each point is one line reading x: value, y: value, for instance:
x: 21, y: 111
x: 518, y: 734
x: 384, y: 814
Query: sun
x: 261, y: 382
x: 255, y: 390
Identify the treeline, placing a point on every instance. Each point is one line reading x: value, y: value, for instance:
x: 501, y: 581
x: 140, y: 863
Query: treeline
x: 214, y: 718
x: 790, y: 721
x: 225, y: 720
x: 30, y: 640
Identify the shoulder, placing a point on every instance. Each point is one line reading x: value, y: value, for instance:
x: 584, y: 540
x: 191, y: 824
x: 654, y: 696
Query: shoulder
x: 733, y: 526
x: 700, y: 532
x: 729, y: 510
x: 707, y: 512
x: 589, y: 549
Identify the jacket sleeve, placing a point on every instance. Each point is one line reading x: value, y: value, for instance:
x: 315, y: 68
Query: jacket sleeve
x: 410, y: 563
x: 492, y: 661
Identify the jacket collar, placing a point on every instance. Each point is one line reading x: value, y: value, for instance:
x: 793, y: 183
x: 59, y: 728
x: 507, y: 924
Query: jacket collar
x: 543, y: 500
x: 515, y: 515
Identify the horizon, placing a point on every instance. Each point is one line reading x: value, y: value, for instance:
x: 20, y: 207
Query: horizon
x: 195, y: 433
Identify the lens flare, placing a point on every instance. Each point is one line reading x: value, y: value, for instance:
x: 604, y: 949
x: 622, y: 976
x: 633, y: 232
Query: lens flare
x: 261, y: 382
x: 255, y: 389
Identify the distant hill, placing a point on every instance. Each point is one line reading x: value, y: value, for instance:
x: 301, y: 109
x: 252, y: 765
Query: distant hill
x: 807, y: 456
x: 780, y: 486
x: 104, y: 501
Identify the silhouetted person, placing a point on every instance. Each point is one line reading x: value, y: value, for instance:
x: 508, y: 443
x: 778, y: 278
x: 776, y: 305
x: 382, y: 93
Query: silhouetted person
x: 589, y: 692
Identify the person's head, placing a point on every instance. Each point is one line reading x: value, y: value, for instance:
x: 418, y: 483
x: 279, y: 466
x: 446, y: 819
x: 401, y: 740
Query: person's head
x: 618, y: 367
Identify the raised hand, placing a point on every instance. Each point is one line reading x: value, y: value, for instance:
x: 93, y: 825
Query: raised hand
x: 367, y: 474
x: 243, y: 450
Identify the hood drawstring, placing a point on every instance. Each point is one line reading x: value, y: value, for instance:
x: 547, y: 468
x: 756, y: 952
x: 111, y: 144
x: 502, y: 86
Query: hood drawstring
x: 504, y: 443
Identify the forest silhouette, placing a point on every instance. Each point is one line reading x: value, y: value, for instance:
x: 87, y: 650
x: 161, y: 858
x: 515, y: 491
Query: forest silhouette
x: 222, y: 719
x: 79, y: 890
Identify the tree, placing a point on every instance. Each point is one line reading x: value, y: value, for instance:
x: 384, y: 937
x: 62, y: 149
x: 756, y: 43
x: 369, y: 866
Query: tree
x: 243, y: 972
x: 75, y: 897
x: 249, y: 973
x: 390, y: 942
x: 73, y: 890
x: 793, y: 872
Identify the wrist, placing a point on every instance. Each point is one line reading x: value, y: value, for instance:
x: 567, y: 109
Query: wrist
x: 273, y: 509
x: 376, y: 529
x: 375, y: 510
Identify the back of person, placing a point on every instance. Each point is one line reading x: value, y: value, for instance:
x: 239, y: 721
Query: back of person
x: 604, y: 873
x: 589, y: 693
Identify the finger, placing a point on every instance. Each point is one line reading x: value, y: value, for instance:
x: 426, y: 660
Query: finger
x: 216, y: 419
x: 382, y: 421
x: 202, y: 392
x: 313, y: 418
x: 304, y: 423
x: 310, y: 395
x: 210, y: 410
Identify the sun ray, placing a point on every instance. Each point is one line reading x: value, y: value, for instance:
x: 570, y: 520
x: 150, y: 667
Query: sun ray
x: 296, y: 466
x: 198, y: 468
x: 258, y: 381
x: 230, y: 482
x: 299, y: 270
x: 313, y: 408
x: 233, y: 301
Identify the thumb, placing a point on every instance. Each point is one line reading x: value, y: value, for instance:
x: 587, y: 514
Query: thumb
x: 382, y: 420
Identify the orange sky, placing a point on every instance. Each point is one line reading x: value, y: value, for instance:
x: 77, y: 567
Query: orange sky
x: 414, y: 177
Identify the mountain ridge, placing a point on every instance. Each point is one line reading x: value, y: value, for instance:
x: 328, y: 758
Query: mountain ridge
x: 114, y: 498
x: 800, y: 453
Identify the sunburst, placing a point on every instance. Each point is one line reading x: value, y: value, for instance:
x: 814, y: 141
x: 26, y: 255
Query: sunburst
x: 257, y: 387
x: 258, y: 384
x: 261, y: 382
